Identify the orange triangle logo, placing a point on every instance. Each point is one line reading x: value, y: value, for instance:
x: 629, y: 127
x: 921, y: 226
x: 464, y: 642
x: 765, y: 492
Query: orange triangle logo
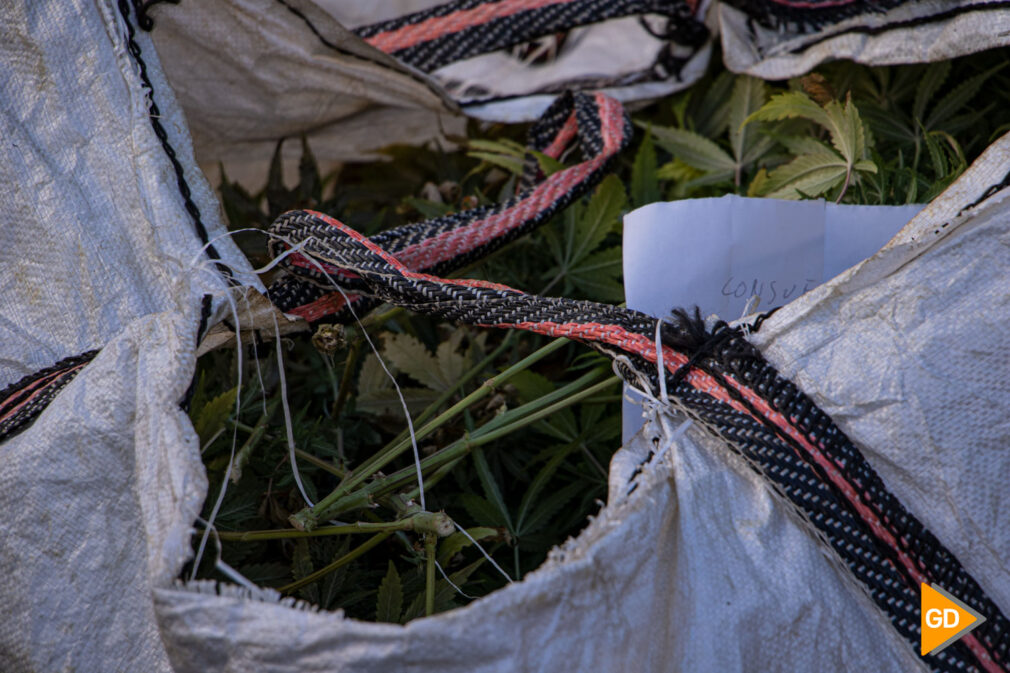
x: 944, y: 619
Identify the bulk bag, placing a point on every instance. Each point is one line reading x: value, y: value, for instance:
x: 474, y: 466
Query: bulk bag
x: 107, y: 212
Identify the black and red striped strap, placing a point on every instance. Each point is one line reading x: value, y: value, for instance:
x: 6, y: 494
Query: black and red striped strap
x: 720, y: 379
x: 457, y: 30
x: 22, y: 401
x: 597, y: 123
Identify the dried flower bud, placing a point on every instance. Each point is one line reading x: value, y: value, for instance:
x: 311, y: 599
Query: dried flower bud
x: 328, y: 339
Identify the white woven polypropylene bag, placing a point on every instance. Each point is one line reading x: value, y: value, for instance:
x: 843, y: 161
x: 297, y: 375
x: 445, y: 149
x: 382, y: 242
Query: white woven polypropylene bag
x: 97, y: 250
x: 698, y: 568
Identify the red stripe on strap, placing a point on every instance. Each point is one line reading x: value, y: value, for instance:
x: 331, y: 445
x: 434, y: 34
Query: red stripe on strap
x: 450, y: 244
x: 435, y: 27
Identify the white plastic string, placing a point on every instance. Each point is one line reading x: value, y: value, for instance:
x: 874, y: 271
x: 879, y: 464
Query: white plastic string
x: 661, y: 370
x: 750, y: 306
x: 382, y: 363
x: 287, y: 413
x: 234, y: 439
x: 292, y: 249
x: 219, y: 563
x: 482, y: 551
x: 453, y: 584
x: 674, y: 437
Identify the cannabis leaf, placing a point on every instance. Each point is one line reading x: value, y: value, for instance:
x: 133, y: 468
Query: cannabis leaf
x: 438, y: 372
x: 376, y: 394
x: 455, y: 543
x: 211, y: 417
x: 644, y: 182
x: 390, y: 599
x: 746, y: 144
x: 820, y: 168
x: 511, y: 156
x: 584, y: 229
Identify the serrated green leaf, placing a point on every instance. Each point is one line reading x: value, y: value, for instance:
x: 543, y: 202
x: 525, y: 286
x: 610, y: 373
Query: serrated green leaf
x: 503, y: 146
x: 888, y: 124
x: 511, y: 164
x: 330, y: 551
x: 749, y: 95
x: 548, y: 164
x: 438, y: 372
x: 301, y: 566
x: 386, y: 402
x: 865, y: 165
x: 601, y: 217
x: 678, y: 171
x: 266, y: 574
x: 931, y: 81
x: 531, y: 386
x: 540, y: 482
x: 389, y: 602
x: 372, y: 378
x: 214, y: 414
x: 711, y: 114
x: 644, y: 182
x: 481, y: 511
x: 490, y: 486
x: 846, y: 130
x: 428, y: 209
x: 810, y: 174
x: 798, y: 145
x: 957, y: 98
x: 598, y: 275
x: 444, y: 592
x: 448, y: 547
x: 693, y: 149
x: 759, y: 185
x: 550, y: 505
x: 789, y: 105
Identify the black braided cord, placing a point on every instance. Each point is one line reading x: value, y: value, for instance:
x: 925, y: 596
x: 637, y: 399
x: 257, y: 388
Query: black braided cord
x: 445, y: 244
x: 24, y: 400
x: 458, y: 30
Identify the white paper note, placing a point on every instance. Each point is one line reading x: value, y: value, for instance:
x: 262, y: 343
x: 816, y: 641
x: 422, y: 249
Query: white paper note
x: 718, y: 253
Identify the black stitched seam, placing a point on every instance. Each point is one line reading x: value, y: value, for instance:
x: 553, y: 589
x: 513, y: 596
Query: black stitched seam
x: 154, y: 114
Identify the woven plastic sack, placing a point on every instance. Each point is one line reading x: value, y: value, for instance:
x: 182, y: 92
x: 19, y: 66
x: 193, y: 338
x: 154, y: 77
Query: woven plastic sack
x: 356, y: 76
x: 107, y: 234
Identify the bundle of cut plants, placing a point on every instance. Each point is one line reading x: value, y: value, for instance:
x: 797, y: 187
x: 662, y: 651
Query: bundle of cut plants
x: 358, y: 405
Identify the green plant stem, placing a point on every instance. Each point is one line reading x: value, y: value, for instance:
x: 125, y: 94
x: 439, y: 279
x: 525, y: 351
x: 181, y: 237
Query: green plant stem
x: 487, y: 433
x: 346, y: 378
x: 255, y: 435
x: 376, y: 319
x: 435, y: 523
x: 433, y: 408
x: 321, y: 464
x: 342, y: 561
x: 429, y: 579
x: 309, y: 517
x: 512, y: 420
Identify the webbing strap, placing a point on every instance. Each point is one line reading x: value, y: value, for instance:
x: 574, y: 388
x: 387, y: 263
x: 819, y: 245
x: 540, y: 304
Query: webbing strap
x: 22, y: 401
x: 442, y: 245
x: 447, y: 33
x: 721, y: 380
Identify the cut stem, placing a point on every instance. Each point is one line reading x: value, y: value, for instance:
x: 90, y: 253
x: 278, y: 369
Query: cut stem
x: 429, y: 581
x: 308, y: 518
x: 435, y: 523
x: 342, y: 561
x: 489, y: 432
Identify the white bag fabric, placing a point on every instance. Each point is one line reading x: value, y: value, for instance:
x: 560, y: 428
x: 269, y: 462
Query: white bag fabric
x: 98, y: 251
x: 250, y: 72
x: 698, y: 568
